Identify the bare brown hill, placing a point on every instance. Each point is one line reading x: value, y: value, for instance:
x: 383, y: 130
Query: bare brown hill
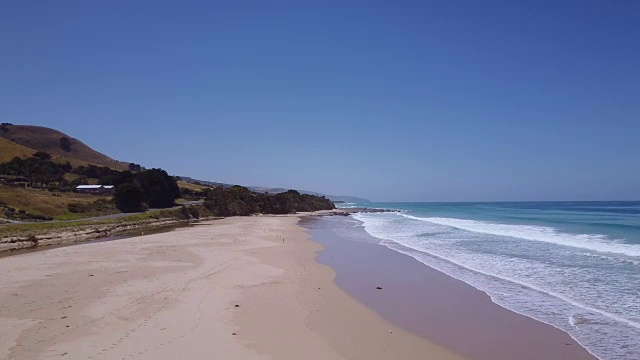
x: 55, y: 143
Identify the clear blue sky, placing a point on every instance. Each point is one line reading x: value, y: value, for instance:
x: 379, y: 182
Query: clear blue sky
x: 425, y: 100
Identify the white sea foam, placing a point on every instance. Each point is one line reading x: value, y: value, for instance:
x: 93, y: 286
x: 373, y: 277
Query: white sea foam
x: 567, y: 288
x: 541, y: 290
x: 347, y: 205
x: 593, y: 242
x: 609, y: 258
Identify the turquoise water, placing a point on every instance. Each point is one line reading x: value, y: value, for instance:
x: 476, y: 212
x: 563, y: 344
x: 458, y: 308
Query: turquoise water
x: 574, y: 265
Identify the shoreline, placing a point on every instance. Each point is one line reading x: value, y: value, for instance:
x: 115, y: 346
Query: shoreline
x: 325, y: 279
x: 352, y: 330
x: 174, y: 295
x: 436, y: 306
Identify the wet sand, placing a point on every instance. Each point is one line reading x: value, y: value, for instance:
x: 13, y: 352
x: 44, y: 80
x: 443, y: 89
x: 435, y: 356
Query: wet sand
x: 436, y: 306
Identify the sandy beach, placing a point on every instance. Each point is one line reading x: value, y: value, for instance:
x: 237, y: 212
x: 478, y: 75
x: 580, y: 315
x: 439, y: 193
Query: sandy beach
x: 238, y: 288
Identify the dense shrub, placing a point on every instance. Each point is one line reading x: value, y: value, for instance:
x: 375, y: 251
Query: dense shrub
x: 240, y: 201
x: 38, y: 217
x: 100, y: 206
x: 39, y: 168
x: 93, y: 171
x: 65, y: 144
x: 194, y: 212
x: 135, y: 167
x: 160, y: 189
x: 130, y: 197
x: 77, y: 208
x: 117, y: 178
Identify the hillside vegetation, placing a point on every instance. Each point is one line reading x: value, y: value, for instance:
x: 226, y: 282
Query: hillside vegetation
x: 38, y: 188
x: 192, y: 186
x: 55, y: 143
x: 240, y: 201
x: 41, y: 168
x: 9, y: 150
x: 42, y: 202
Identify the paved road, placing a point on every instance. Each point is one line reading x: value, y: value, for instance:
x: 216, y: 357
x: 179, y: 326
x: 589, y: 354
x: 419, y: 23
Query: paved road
x: 103, y: 217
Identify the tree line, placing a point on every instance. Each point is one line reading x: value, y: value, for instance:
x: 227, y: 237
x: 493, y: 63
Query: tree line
x: 240, y: 201
x: 38, y: 168
x: 152, y: 188
x: 155, y: 188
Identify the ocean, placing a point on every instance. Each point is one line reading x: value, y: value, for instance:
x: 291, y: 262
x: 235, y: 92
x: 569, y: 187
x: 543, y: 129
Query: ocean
x: 573, y: 265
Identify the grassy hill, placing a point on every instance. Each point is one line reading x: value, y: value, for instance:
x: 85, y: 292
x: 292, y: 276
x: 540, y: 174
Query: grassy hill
x: 191, y: 186
x: 23, y: 141
x: 52, y: 141
x: 9, y: 150
x: 44, y: 202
